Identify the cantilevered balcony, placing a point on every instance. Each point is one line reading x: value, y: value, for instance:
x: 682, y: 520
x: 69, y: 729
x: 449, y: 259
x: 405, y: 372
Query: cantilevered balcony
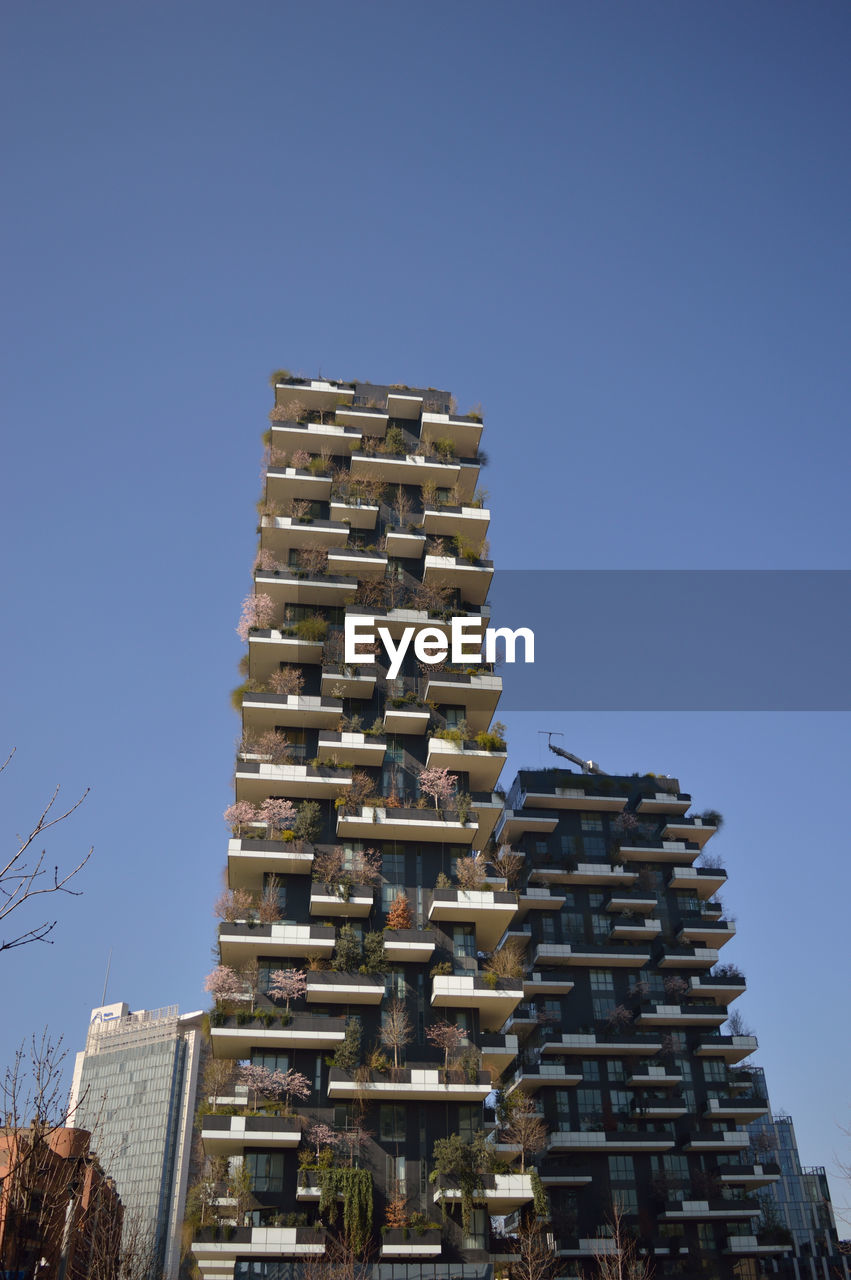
x: 406, y: 718
x: 250, y: 860
x: 680, y: 1015
x: 545, y: 1074
x: 538, y: 899
x: 255, y: 780
x: 587, y: 956
x: 571, y: 798
x: 477, y: 694
x: 500, y: 1193
x: 373, y: 823
x: 512, y: 825
x: 268, y: 649
x: 649, y: 1076
x: 216, y: 1249
x: 728, y: 1140
x: 750, y: 1244
x: 638, y: 902
x: 730, y: 1048
x: 686, y: 957
x: 470, y: 578
x: 703, y: 882
x: 348, y: 682
x: 723, y: 990
x: 707, y: 1210
x: 263, y: 711
x: 230, y: 1135
x: 491, y: 912
x: 404, y: 544
x: 661, y: 851
x: 357, y: 515
x: 412, y: 945
x: 353, y: 902
x: 561, y: 1140
x: 694, y: 830
x: 629, y: 928
x: 284, y: 484
x: 350, y: 561
x: 657, y: 1109
x: 314, y: 437
x: 601, y: 873
x: 414, y: 469
x: 236, y: 1035
x: 706, y: 931
x: 240, y: 942
x: 470, y: 522
x: 369, y: 422
x: 748, y: 1175
x: 313, y: 393
x: 293, y: 587
x: 411, y: 1244
x: 548, y: 982
x: 328, y: 986
x: 664, y: 802
x: 282, y: 534
x: 414, y: 1083
x: 741, y: 1110
x: 498, y: 1050
x: 482, y: 767
x: 464, y: 433
x: 360, y: 748
x: 619, y: 1045
x: 404, y: 403
x: 495, y: 1001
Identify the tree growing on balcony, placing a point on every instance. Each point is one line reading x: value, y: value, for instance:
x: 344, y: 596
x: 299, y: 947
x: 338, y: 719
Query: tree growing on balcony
x: 288, y: 984
x: 472, y: 872
x: 308, y: 823
x: 347, y: 1054
x: 524, y: 1127
x: 313, y: 561
x: 322, y: 1135
x: 509, y: 961
x: 279, y: 816
x: 223, y: 983
x: 258, y: 611
x: 289, y: 680
x: 239, y: 815
x: 447, y: 1036
x: 261, y: 1080
x: 396, y: 1030
x: 294, y: 1086
x: 439, y: 784
x: 399, y: 916
x: 235, y: 904
x: 347, y: 953
x: 269, y: 906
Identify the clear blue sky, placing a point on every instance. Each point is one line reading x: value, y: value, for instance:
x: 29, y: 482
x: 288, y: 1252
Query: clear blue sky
x: 624, y: 228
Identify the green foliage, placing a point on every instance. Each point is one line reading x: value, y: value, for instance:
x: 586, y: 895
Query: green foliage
x: 313, y: 628
x: 279, y: 375
x: 355, y: 1187
x: 492, y: 739
x: 308, y: 823
x: 394, y: 440
x: 463, y: 804
x: 442, y: 881
x: 444, y: 448
x: 441, y: 970
x: 374, y: 955
x: 347, y: 953
x: 457, y: 1162
x: 347, y: 1055
x: 540, y: 1198
x: 713, y: 818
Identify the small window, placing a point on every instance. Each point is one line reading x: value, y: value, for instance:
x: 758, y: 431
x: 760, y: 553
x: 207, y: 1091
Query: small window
x: 391, y: 1123
x: 591, y: 822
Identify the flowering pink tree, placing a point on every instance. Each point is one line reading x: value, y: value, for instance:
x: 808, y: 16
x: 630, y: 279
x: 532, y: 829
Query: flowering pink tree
x: 223, y: 983
x: 300, y: 459
x: 440, y: 784
x: 239, y: 815
x: 279, y: 815
x: 322, y: 1135
x: 257, y: 611
x: 446, y: 1036
x: 288, y: 984
x: 295, y: 1085
x: 258, y: 1080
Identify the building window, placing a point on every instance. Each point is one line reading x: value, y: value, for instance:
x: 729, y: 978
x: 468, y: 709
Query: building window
x: 591, y: 821
x: 265, y: 1169
x: 602, y: 980
x: 590, y: 1069
x: 603, y: 1006
x: 391, y: 1123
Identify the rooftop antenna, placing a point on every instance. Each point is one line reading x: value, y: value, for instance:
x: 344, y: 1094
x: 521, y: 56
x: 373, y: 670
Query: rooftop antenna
x: 587, y: 766
x: 106, y: 979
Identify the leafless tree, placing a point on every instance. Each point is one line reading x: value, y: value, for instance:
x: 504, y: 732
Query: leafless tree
x: 524, y: 1126
x: 26, y: 876
x: 396, y: 1030
x: 535, y: 1257
x: 617, y: 1256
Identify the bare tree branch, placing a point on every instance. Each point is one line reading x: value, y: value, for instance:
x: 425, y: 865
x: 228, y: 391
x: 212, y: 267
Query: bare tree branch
x: 21, y: 880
